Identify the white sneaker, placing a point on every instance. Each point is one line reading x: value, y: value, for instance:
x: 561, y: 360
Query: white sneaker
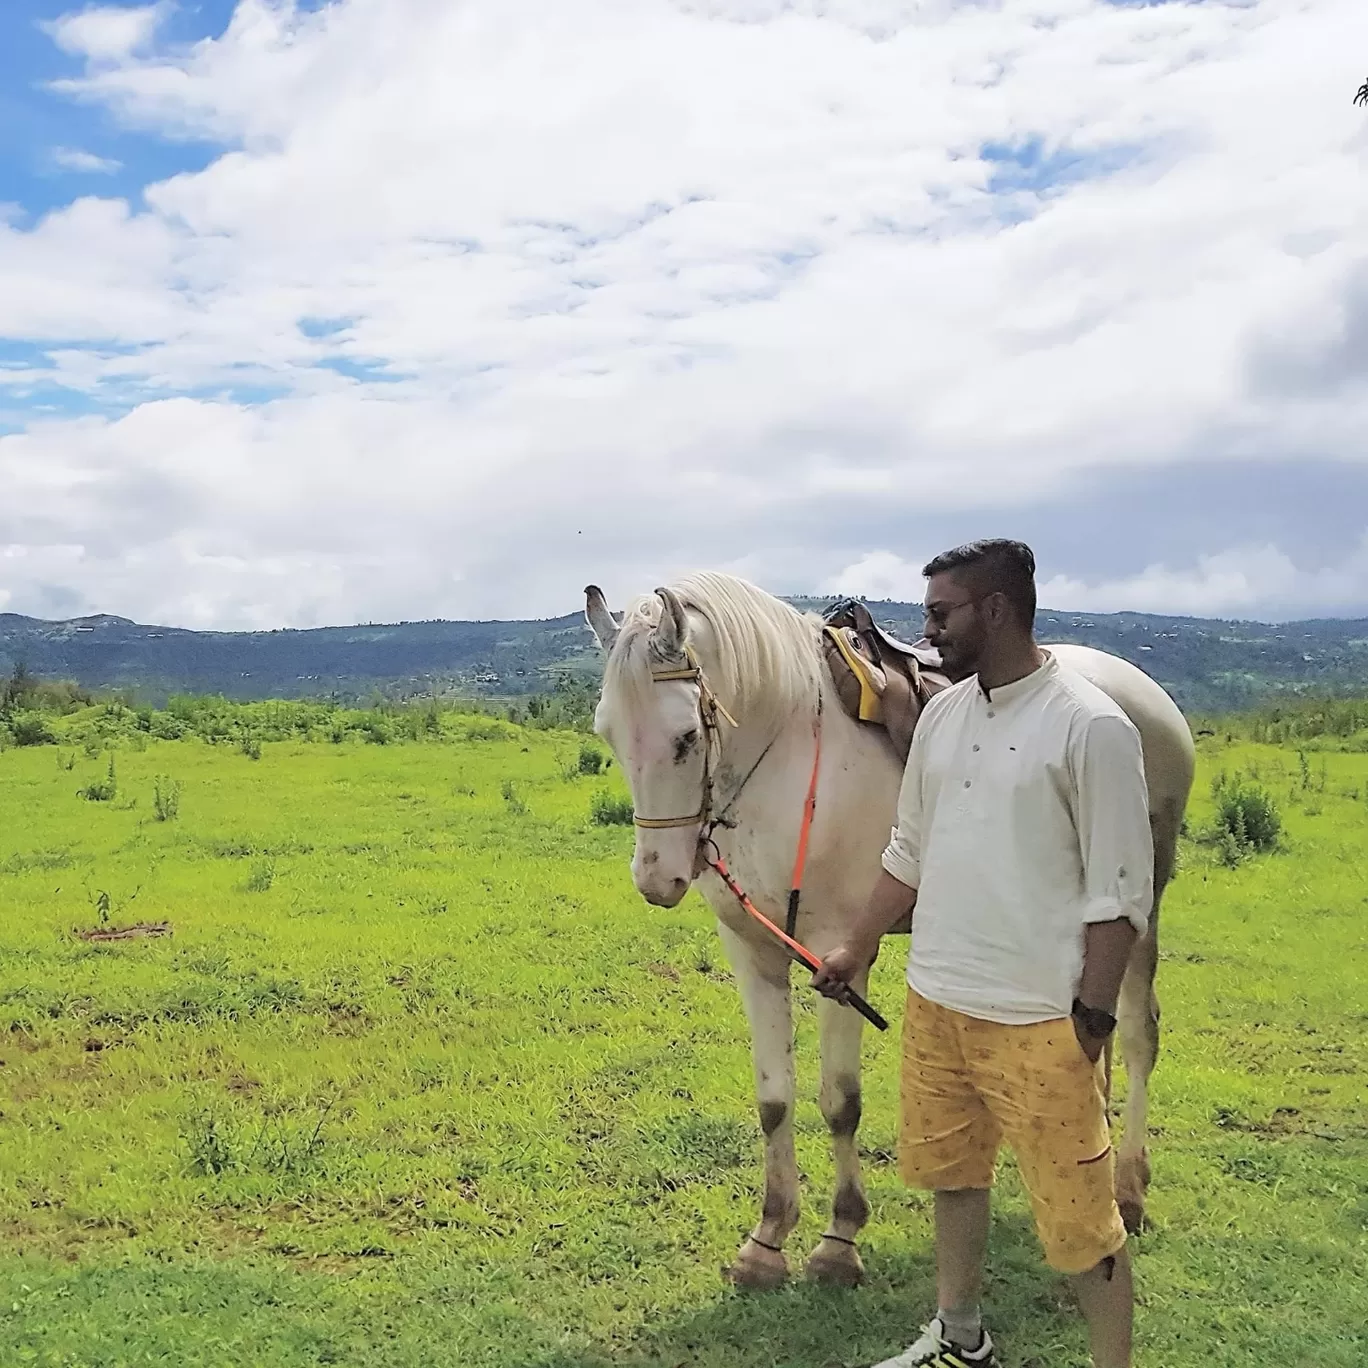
x: 933, y: 1350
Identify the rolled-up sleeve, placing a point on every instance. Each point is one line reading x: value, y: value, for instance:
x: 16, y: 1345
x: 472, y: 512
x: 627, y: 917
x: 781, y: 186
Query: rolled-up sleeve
x: 1114, y: 834
x: 902, y: 855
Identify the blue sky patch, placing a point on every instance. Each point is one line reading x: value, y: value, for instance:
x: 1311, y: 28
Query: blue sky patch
x: 1029, y: 166
x: 324, y: 327
x: 370, y: 371
x: 54, y: 148
x: 16, y: 355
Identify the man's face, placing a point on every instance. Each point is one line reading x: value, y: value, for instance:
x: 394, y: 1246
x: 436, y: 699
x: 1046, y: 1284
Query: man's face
x: 954, y: 624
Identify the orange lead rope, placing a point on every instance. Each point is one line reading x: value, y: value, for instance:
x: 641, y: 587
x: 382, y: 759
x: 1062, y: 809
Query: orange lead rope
x: 799, y: 951
x: 805, y: 831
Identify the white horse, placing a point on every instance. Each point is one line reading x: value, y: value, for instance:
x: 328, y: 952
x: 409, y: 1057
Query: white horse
x: 715, y: 695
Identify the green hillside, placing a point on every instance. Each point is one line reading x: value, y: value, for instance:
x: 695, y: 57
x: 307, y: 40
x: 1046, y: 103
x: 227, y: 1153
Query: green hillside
x: 1206, y: 663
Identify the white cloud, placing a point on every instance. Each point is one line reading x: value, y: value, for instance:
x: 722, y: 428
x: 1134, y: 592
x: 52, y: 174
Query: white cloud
x: 107, y: 33
x: 879, y: 575
x: 1243, y: 581
x: 616, y: 287
x: 75, y: 159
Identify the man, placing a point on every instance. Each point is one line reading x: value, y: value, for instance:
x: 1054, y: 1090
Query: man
x: 1023, y: 848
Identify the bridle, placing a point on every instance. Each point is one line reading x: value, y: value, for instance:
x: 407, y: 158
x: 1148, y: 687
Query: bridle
x: 710, y: 709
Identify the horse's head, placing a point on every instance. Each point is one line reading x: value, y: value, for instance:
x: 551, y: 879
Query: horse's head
x: 656, y: 713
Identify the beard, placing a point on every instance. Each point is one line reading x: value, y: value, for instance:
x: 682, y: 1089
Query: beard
x: 957, y: 661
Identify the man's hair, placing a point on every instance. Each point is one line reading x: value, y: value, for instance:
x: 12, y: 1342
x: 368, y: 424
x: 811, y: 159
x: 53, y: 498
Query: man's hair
x: 994, y: 566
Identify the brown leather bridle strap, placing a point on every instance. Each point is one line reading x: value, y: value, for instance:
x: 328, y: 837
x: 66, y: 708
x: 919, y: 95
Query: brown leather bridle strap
x: 665, y: 823
x: 709, y: 710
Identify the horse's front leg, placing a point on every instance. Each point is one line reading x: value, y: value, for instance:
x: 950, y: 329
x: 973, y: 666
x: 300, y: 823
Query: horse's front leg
x: 1138, y: 1023
x: 836, y: 1260
x: 762, y: 974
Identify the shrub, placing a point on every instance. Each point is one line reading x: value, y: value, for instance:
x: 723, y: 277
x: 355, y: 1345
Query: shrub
x: 608, y: 810
x: 483, y: 730
x: 510, y: 796
x: 210, y: 1143
x: 590, y: 759
x: 166, y: 727
x: 375, y: 731
x: 250, y: 747
x: 31, y: 729
x: 1247, y: 817
x: 261, y: 877
x: 104, y: 791
x: 105, y: 905
x: 165, y: 798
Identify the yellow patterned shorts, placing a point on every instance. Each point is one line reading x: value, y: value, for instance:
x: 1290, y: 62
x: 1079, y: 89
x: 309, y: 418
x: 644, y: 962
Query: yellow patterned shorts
x: 967, y: 1085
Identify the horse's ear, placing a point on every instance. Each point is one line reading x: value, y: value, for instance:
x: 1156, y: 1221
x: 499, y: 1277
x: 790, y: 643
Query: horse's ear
x: 669, y: 637
x: 599, y: 618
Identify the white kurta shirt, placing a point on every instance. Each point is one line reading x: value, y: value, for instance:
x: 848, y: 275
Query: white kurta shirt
x: 1023, y: 817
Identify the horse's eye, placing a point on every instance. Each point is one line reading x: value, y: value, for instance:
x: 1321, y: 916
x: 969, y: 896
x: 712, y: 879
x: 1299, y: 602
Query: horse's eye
x: 684, y: 745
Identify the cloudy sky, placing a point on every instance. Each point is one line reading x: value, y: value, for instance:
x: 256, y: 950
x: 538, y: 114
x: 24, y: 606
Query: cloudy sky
x: 378, y: 309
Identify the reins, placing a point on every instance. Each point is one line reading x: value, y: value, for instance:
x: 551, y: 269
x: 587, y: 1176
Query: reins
x: 710, y: 709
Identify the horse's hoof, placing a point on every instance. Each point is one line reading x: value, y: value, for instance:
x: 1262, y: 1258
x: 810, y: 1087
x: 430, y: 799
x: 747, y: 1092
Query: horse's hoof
x: 1132, y: 1182
x: 833, y: 1264
x: 757, y: 1269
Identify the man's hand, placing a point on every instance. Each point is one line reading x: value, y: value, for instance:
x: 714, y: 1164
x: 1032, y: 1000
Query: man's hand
x: 888, y: 902
x: 843, y: 964
x: 1092, y: 1046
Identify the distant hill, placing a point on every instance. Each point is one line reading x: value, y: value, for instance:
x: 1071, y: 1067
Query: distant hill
x: 1205, y: 663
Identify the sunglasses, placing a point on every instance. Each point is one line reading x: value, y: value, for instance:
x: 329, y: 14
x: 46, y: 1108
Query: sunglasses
x: 938, y: 614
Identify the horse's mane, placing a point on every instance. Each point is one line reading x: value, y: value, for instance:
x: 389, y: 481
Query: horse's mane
x: 760, y: 655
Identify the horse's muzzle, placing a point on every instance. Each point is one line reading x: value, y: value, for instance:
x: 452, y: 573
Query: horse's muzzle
x: 663, y: 892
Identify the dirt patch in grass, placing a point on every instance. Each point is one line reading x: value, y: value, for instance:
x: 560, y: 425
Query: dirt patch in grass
x: 138, y: 931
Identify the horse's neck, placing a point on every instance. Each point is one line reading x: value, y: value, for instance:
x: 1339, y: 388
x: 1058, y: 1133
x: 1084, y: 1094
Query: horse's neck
x: 766, y: 767
x: 765, y: 758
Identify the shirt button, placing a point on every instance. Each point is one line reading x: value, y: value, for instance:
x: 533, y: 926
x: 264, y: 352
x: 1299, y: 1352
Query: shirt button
x: 992, y: 714
x: 968, y: 783
x: 976, y: 746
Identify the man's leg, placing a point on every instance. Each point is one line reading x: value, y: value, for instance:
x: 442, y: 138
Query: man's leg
x: 948, y: 1145
x: 1107, y: 1299
x: 962, y: 1219
x: 1048, y: 1098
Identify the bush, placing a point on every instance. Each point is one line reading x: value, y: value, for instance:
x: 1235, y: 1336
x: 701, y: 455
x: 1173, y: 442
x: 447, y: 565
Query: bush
x: 607, y: 810
x: 262, y: 876
x: 104, y: 791
x: 250, y: 747
x: 375, y: 731
x: 510, y: 796
x: 483, y: 729
x: 166, y: 798
x: 590, y: 759
x: 166, y: 727
x: 31, y: 729
x: 1247, y: 818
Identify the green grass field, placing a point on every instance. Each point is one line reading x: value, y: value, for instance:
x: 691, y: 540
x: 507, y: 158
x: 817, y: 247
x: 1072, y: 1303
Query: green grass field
x: 417, y: 1079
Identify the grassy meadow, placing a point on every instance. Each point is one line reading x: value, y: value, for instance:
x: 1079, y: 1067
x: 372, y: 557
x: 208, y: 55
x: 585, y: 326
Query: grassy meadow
x: 415, y: 1078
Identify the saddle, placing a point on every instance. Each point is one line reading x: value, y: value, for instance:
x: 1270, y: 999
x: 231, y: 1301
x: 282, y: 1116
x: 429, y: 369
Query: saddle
x: 879, y: 680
